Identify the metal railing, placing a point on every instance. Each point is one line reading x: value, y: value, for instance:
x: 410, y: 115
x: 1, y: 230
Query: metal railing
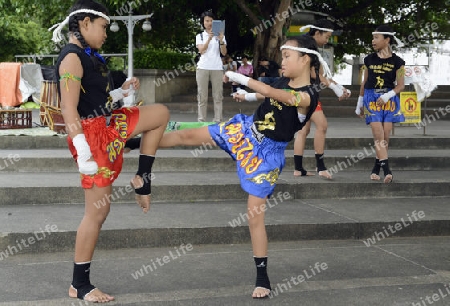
x: 34, y: 57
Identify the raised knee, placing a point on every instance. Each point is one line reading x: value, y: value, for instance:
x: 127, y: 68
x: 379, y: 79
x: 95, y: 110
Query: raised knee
x: 165, y: 113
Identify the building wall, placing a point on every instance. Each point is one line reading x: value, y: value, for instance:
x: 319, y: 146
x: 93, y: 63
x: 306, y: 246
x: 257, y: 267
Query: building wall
x: 159, y: 86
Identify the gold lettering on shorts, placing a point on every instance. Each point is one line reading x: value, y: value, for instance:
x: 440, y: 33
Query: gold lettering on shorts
x: 242, y: 148
x: 115, y: 147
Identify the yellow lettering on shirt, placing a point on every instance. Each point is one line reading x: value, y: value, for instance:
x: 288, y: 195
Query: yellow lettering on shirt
x: 268, y: 123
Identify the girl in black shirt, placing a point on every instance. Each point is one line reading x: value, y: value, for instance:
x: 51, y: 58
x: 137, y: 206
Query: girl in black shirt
x: 97, y: 144
x: 257, y: 142
x: 383, y: 80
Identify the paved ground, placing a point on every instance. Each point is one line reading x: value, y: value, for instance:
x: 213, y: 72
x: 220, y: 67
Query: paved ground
x: 395, y: 271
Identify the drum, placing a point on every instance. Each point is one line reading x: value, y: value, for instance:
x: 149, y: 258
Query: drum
x: 50, y: 97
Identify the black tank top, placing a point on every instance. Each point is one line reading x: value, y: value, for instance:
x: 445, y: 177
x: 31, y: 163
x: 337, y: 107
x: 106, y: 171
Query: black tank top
x: 96, y: 82
x: 278, y: 121
x: 382, y: 72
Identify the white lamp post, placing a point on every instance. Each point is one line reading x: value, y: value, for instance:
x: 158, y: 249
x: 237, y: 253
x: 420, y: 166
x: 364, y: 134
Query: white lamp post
x: 130, y: 21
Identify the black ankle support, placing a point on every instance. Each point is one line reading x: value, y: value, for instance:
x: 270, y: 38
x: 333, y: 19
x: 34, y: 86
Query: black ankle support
x: 385, y: 165
x: 81, y: 280
x: 145, y: 171
x: 133, y: 143
x: 298, y: 163
x: 262, y: 279
x: 320, y: 163
x: 376, y: 167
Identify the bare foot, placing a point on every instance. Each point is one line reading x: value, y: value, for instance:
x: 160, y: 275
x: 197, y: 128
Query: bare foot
x: 374, y: 177
x: 260, y: 293
x: 142, y: 200
x: 388, y: 178
x: 95, y: 296
x: 325, y: 174
x: 299, y: 173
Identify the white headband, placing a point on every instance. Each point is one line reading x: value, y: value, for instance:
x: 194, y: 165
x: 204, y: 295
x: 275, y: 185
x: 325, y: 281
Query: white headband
x: 326, y: 69
x: 57, y: 37
x: 399, y: 42
x: 314, y: 27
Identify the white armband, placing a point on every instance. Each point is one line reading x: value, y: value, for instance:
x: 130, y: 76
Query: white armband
x: 338, y: 89
x: 237, y: 77
x: 386, y: 96
x: 359, y: 105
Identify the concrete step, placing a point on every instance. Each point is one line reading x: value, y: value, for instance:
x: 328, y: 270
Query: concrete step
x: 55, y: 188
x: 439, y: 100
x: 404, y: 138
x: 430, y: 103
x: 440, y: 93
x: 331, y: 107
x: 205, y: 159
x: 170, y: 224
x: 342, y: 133
x: 401, y: 271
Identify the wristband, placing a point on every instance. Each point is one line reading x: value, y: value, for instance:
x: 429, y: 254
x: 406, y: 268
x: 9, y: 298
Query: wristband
x: 128, y: 92
x: 237, y: 77
x: 239, y: 92
x: 386, y: 96
x: 338, y: 89
x: 345, y: 90
x: 83, y: 155
x: 248, y: 96
x: 116, y: 94
x: 251, y: 97
x: 119, y: 93
x: 359, y: 105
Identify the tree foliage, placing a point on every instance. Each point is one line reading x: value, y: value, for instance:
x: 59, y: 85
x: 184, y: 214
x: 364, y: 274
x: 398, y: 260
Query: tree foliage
x: 19, y: 35
x: 411, y: 19
x: 24, y: 23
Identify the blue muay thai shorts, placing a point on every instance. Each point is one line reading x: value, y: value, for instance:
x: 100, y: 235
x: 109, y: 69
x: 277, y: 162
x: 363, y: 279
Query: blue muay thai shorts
x: 259, y: 160
x: 390, y: 112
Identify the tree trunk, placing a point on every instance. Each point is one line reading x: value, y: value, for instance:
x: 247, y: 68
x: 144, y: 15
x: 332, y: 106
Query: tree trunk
x: 269, y: 31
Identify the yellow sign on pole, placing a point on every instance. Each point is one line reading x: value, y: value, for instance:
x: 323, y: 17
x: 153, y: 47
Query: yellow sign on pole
x: 410, y: 107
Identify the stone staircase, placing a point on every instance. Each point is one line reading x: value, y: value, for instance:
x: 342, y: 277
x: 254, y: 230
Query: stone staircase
x: 197, y: 197
x: 333, y: 108
x: 382, y: 244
